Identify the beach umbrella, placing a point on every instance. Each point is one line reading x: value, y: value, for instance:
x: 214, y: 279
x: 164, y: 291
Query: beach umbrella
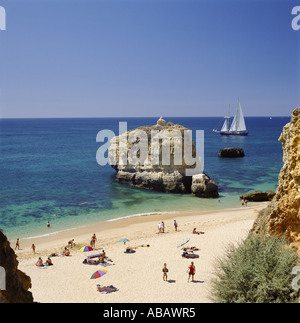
x: 182, y: 242
x: 86, y: 249
x: 123, y: 240
x: 99, y: 273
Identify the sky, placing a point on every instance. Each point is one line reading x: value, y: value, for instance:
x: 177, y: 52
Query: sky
x: 140, y: 58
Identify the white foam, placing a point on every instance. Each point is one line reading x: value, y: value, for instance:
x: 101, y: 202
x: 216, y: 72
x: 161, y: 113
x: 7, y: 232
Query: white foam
x: 139, y: 214
x: 49, y: 234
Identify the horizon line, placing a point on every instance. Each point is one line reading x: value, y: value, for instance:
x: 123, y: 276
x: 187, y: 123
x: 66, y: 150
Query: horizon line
x: 110, y: 117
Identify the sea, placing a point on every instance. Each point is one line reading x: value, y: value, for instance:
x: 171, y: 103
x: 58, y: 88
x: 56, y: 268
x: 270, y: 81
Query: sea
x: 49, y: 172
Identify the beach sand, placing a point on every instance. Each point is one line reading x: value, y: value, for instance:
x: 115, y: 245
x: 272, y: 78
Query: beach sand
x: 138, y: 276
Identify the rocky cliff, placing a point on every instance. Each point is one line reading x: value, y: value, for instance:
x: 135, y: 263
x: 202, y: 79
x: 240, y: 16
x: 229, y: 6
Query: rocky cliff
x: 159, y: 157
x: 17, y: 282
x: 283, y: 213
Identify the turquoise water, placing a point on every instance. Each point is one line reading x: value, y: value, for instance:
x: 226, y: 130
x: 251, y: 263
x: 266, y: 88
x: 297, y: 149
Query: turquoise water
x: 49, y: 167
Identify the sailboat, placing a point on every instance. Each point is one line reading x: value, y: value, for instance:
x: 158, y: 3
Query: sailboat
x: 238, y: 125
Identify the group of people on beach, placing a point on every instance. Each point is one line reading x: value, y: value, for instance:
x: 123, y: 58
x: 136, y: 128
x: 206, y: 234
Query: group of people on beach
x: 161, y: 226
x: 40, y: 263
x: 18, y: 246
x: 191, y: 272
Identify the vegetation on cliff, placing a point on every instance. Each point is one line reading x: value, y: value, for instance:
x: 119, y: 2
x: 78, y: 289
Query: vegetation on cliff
x: 258, y: 270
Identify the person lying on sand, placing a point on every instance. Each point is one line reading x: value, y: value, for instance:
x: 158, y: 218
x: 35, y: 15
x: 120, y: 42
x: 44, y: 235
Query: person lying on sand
x: 189, y: 248
x: 93, y: 262
x: 197, y: 232
x: 139, y: 246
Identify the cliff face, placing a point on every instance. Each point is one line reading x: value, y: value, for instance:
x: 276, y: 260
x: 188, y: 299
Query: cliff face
x: 283, y: 214
x: 159, y: 158
x: 17, y: 283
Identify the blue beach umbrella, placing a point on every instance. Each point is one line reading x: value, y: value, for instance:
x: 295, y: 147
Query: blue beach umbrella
x: 123, y: 240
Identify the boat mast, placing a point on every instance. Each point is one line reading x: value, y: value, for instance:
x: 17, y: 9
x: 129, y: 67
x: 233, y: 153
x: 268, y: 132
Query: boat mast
x: 237, y: 115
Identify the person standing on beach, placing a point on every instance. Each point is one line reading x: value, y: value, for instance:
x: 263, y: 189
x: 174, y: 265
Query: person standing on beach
x: 159, y: 227
x: 162, y: 227
x: 243, y: 202
x: 191, y: 271
x: 175, y: 225
x: 93, y: 241
x: 33, y: 248
x: 165, y: 271
x: 246, y: 203
x: 17, y: 245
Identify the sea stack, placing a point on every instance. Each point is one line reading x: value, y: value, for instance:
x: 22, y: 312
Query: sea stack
x: 161, y: 157
x: 231, y: 153
x: 282, y: 216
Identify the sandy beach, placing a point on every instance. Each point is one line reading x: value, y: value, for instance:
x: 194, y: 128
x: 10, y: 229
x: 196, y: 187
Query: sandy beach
x: 138, y: 276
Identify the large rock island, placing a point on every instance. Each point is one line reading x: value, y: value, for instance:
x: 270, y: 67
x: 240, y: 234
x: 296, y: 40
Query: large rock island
x: 162, y: 157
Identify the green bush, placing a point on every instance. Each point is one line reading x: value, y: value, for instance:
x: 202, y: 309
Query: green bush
x: 258, y: 270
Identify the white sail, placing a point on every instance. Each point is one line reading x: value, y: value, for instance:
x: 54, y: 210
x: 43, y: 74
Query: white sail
x: 233, y: 126
x: 225, y: 125
x: 241, y: 120
x: 238, y: 123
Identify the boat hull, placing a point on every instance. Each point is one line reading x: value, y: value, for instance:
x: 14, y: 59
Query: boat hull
x: 233, y: 133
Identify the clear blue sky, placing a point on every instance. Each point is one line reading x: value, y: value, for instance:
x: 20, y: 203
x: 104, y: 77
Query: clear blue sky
x: 98, y: 58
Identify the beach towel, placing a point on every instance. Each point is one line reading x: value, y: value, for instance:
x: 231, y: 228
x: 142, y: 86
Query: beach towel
x: 88, y: 263
x: 128, y: 250
x: 106, y: 289
x: 189, y: 255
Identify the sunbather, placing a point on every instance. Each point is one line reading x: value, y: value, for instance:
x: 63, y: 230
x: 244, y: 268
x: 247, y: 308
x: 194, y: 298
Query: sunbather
x: 39, y: 263
x: 197, y: 232
x: 49, y: 262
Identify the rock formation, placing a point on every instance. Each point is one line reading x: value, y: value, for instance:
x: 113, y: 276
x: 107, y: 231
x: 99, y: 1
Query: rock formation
x: 203, y: 186
x: 159, y: 158
x: 231, y: 152
x: 17, y: 282
x: 283, y: 213
x: 258, y: 196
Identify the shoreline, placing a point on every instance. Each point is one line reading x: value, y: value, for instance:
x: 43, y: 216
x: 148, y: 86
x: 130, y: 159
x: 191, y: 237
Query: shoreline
x: 28, y: 232
x: 65, y: 235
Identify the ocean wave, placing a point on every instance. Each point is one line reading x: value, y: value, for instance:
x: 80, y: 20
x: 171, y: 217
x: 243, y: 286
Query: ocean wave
x: 140, y: 214
x: 50, y: 233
